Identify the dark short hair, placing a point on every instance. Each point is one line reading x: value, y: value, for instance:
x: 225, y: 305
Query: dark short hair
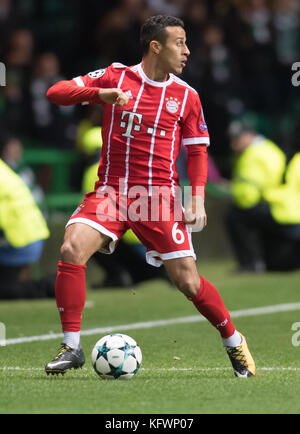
x: 154, y: 28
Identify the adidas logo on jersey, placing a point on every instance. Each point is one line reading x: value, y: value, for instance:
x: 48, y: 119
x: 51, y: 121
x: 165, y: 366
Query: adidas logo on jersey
x: 129, y: 94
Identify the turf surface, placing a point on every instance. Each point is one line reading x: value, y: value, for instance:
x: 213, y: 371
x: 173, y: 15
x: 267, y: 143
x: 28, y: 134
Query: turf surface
x: 185, y: 369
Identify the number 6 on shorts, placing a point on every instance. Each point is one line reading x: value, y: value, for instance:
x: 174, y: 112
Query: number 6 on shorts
x: 177, y: 233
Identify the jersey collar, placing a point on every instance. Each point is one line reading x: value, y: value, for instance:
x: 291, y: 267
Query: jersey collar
x: 152, y: 82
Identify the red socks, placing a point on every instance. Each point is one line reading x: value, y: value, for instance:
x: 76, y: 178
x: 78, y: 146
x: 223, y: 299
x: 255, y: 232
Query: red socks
x: 70, y: 294
x: 70, y: 300
x: 210, y: 304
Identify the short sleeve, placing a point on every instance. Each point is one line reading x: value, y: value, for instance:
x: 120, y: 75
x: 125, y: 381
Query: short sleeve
x: 194, y: 128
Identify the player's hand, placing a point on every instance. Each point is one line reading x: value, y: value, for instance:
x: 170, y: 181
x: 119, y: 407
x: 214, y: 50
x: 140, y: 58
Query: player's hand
x: 113, y: 96
x: 195, y: 214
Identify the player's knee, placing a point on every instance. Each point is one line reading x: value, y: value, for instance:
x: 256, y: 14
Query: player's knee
x: 72, y: 252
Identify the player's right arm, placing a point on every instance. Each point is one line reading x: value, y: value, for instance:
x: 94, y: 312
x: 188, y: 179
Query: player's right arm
x: 113, y: 96
x: 93, y: 88
x: 195, y: 136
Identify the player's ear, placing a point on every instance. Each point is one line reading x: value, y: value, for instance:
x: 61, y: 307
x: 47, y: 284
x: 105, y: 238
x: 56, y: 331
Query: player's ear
x: 155, y: 47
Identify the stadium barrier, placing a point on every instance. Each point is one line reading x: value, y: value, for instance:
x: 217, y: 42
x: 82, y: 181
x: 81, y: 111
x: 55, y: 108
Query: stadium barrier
x: 60, y: 162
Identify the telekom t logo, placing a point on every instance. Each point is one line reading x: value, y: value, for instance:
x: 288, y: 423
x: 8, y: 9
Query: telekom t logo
x: 130, y: 123
x: 134, y: 121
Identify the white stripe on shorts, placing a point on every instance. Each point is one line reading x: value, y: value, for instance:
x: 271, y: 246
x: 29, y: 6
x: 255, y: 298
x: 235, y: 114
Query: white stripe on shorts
x: 99, y: 228
x: 156, y: 259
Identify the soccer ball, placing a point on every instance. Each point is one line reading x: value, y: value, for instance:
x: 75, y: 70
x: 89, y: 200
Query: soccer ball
x: 116, y: 356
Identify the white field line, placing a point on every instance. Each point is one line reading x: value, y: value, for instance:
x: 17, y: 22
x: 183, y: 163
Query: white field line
x: 173, y: 369
x: 159, y: 323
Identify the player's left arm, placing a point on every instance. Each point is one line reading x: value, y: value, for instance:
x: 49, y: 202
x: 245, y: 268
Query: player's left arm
x: 196, y: 138
x: 195, y: 213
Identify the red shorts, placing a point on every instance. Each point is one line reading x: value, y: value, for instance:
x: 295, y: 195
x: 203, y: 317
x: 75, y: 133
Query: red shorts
x: 155, y: 220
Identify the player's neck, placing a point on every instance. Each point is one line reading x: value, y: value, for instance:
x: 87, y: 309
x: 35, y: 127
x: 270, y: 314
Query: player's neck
x: 153, y: 71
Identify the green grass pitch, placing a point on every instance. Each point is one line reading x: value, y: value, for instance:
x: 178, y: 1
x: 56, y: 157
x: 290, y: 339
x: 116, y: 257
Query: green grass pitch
x: 185, y: 369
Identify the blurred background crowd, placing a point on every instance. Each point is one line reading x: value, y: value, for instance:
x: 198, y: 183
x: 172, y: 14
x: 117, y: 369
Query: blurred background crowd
x: 242, y: 52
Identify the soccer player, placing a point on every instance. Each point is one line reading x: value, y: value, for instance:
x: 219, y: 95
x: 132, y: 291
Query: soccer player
x: 148, y: 113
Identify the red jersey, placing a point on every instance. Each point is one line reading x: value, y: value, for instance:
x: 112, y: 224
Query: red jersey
x: 141, y: 141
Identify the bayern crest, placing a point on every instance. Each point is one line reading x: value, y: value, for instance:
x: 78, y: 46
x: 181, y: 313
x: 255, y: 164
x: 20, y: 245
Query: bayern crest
x: 172, y: 105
